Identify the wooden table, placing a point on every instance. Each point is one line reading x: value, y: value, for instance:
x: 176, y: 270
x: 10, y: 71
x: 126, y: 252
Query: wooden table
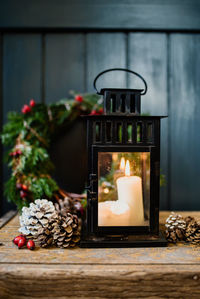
x: 172, y: 272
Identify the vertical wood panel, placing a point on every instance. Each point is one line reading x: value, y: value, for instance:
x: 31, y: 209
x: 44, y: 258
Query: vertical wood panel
x: 1, y: 118
x: 106, y: 50
x: 147, y: 55
x: 21, y: 73
x: 185, y: 121
x: 65, y: 71
x: 64, y: 65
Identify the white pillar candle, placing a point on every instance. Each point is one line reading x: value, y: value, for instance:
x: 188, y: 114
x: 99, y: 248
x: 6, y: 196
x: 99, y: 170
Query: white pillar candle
x: 129, y: 190
x: 113, y: 213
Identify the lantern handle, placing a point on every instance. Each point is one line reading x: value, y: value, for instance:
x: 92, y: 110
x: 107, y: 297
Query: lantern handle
x: 120, y: 69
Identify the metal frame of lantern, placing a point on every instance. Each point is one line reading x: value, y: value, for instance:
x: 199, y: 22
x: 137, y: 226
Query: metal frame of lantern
x: 122, y: 111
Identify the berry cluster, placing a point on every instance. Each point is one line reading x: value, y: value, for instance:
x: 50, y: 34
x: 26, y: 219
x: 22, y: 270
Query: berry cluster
x: 23, y: 190
x: 21, y: 241
x: 27, y: 109
x: 97, y: 112
x: 16, y: 153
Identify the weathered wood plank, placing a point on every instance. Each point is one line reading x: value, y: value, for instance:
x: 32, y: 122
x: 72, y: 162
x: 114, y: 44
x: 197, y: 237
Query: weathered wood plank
x: 104, y: 51
x: 21, y: 75
x: 112, y: 14
x: 147, y: 55
x: 180, y: 254
x: 172, y: 272
x: 184, y: 121
x: 7, y: 217
x: 96, y: 281
x: 64, y: 65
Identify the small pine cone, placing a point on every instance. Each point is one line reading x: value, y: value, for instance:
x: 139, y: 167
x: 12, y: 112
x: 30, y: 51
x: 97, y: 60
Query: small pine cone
x: 45, y: 239
x: 192, y: 232
x: 66, y: 205
x: 188, y: 219
x: 36, y: 217
x: 175, y: 228
x: 66, y: 232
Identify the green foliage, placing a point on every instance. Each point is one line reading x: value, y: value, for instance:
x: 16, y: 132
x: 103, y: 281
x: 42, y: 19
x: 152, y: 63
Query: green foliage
x: 43, y: 187
x: 30, y: 133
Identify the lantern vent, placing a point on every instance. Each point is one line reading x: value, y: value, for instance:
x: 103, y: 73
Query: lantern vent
x: 121, y: 101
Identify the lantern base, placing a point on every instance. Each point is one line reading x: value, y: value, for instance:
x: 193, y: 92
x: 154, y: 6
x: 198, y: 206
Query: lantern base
x: 124, y: 242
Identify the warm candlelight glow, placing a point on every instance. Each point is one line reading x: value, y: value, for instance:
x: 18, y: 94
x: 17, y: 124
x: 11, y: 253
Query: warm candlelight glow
x: 127, y: 169
x: 122, y: 164
x: 106, y: 190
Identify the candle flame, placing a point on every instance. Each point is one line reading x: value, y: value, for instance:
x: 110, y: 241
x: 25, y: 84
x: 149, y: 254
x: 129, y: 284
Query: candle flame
x: 122, y: 164
x: 127, y: 168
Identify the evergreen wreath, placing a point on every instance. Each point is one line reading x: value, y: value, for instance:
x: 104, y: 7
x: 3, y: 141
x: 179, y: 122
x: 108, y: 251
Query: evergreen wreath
x: 29, y: 135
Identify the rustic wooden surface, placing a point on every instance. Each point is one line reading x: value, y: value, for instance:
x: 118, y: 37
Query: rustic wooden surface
x: 172, y: 272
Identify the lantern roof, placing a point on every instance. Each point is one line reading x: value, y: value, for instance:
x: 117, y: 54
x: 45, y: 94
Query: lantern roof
x: 122, y: 90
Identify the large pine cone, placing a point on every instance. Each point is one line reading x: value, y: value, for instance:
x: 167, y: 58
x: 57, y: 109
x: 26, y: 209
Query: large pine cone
x: 37, y: 217
x: 192, y: 232
x: 66, y: 205
x: 175, y: 228
x: 63, y: 232
x: 66, y: 231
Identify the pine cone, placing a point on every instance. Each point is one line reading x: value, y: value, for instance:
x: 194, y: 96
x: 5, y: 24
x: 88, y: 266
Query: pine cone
x: 175, y: 228
x: 66, y: 205
x: 66, y: 232
x: 45, y: 237
x: 188, y: 219
x: 193, y: 232
x: 37, y: 217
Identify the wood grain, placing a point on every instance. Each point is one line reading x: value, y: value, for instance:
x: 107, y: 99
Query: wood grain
x: 147, y: 55
x: 104, y: 51
x: 94, y: 281
x: 104, y: 14
x: 64, y: 65
x: 7, y: 217
x: 184, y: 121
x: 172, y: 272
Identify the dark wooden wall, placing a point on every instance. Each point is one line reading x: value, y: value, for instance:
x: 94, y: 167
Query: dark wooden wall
x: 48, y: 48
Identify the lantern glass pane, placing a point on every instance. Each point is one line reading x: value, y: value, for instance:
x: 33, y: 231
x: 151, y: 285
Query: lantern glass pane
x: 123, y: 188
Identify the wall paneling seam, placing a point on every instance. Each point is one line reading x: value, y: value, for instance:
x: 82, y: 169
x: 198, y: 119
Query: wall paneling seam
x: 43, y: 65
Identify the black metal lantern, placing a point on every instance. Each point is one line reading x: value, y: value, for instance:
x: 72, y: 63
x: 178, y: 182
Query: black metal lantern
x: 123, y: 172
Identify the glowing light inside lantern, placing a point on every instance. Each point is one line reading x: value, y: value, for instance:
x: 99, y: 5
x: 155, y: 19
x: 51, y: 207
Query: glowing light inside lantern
x: 127, y: 168
x: 106, y: 190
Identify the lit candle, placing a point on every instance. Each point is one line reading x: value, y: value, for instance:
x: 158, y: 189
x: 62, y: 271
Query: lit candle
x: 120, y: 172
x: 113, y: 213
x: 129, y: 190
x: 122, y: 164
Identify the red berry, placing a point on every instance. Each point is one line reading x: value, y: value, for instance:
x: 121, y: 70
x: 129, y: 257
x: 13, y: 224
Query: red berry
x: 94, y: 112
x: 32, y: 103
x: 23, y: 194
x: 24, y: 187
x: 18, y: 152
x: 11, y: 154
x: 18, y: 186
x: 21, y: 242
x: 16, y: 240
x: 79, y: 98
x: 26, y: 109
x: 101, y: 110
x: 30, y: 244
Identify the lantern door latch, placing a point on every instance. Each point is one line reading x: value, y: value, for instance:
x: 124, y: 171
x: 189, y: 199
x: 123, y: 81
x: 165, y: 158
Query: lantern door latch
x: 91, y: 187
